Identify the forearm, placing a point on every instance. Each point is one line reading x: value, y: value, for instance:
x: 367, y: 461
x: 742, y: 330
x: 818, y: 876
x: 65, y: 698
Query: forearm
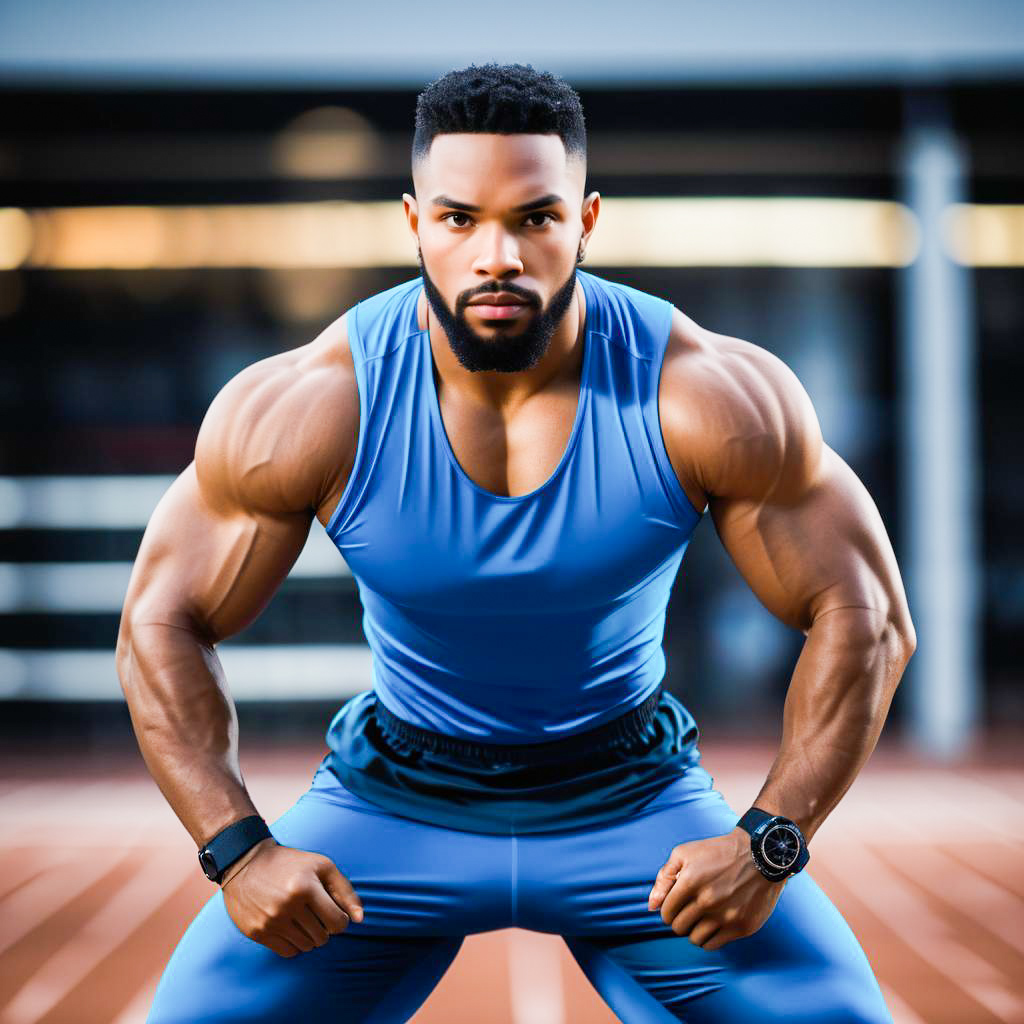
x: 836, y: 705
x: 185, y: 723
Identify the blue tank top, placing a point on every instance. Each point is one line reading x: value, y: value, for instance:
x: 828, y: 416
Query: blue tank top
x: 513, y: 619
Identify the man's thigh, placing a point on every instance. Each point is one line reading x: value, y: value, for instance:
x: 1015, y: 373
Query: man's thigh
x: 218, y: 976
x: 803, y: 964
x: 422, y: 889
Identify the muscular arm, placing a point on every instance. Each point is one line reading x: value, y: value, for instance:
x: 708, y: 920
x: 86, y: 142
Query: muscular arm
x: 808, y: 539
x: 217, y: 547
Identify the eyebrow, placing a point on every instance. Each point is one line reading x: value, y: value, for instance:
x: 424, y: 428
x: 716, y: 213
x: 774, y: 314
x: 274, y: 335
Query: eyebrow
x: 534, y: 204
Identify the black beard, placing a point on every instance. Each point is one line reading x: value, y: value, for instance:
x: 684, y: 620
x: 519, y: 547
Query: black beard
x: 502, y: 353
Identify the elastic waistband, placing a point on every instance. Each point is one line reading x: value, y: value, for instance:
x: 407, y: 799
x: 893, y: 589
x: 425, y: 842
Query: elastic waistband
x: 632, y: 727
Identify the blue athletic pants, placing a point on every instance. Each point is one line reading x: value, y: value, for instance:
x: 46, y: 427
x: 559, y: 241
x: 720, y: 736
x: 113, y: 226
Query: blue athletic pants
x: 424, y: 888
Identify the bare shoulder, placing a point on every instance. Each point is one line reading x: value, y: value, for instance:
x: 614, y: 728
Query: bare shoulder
x: 736, y: 419
x: 280, y: 436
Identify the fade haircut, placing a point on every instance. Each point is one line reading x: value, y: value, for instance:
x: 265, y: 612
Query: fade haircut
x: 506, y: 99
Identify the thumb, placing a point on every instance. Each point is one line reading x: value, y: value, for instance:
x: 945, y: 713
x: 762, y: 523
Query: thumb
x: 666, y: 878
x: 340, y: 889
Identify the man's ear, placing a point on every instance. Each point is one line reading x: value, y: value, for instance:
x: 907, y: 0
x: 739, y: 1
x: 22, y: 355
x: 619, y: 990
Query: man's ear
x: 589, y: 215
x: 412, y: 214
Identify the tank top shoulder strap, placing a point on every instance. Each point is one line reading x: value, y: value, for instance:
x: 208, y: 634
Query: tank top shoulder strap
x: 377, y: 326
x: 640, y: 324
x: 635, y: 320
x: 380, y: 323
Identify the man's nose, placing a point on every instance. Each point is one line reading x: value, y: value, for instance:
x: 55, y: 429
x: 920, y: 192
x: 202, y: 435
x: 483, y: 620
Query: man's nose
x: 499, y: 256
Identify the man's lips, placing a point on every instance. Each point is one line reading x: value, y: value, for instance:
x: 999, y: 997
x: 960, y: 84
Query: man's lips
x: 503, y: 312
x: 499, y: 306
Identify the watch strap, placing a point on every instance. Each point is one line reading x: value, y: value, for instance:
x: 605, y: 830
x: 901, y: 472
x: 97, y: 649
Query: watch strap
x: 752, y: 818
x: 231, y: 843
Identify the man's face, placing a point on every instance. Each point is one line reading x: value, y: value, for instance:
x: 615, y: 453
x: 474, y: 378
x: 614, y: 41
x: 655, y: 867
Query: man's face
x: 499, y: 217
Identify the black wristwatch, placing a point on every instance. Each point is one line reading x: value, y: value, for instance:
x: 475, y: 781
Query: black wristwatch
x: 230, y: 843
x: 777, y: 845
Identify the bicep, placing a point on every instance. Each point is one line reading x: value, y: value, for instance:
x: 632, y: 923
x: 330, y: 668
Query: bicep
x: 810, y: 549
x: 209, y: 564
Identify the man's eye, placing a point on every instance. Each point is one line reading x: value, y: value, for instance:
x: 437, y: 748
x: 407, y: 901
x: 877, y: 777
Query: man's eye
x: 541, y: 214
x: 447, y: 216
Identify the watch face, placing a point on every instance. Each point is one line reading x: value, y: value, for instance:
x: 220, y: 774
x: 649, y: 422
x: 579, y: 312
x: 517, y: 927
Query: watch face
x: 209, y: 865
x: 780, y: 847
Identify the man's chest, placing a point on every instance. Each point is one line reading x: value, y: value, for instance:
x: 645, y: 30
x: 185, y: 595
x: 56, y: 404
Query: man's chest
x: 511, y: 456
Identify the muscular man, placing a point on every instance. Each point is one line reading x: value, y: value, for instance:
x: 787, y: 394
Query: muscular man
x: 512, y: 455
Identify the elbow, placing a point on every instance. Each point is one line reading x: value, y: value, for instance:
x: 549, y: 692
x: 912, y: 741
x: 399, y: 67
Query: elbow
x: 123, y: 657
x: 900, y: 639
x: 907, y: 637
x: 902, y: 626
x: 869, y: 634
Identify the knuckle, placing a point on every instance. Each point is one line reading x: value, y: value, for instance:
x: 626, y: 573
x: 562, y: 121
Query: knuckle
x: 323, y: 864
x: 705, y: 897
x: 297, y: 886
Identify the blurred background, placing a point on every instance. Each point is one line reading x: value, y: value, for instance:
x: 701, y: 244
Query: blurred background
x: 187, y: 189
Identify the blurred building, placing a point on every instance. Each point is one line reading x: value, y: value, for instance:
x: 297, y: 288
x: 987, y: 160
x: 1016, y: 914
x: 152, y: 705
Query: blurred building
x: 186, y: 190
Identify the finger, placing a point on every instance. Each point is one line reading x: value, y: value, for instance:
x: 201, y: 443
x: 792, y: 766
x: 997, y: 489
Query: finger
x: 278, y: 945
x: 286, y: 928
x: 311, y: 925
x: 703, y: 931
x: 719, y: 939
x: 686, y: 919
x: 681, y: 896
x: 341, y: 892
x: 664, y: 881
x: 334, y: 919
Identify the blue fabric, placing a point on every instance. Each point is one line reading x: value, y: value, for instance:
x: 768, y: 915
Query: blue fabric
x: 424, y: 888
x: 525, y: 618
x: 606, y: 781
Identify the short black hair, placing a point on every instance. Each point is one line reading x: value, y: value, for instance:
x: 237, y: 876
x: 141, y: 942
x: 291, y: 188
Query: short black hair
x: 507, y: 99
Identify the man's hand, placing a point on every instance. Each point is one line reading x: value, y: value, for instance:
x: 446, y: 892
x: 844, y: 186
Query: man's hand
x: 711, y: 890
x: 288, y: 900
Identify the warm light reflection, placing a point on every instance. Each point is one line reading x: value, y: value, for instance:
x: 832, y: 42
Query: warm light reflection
x: 985, y: 235
x: 669, y: 232
x: 754, y: 232
x: 15, y: 237
x: 326, y: 142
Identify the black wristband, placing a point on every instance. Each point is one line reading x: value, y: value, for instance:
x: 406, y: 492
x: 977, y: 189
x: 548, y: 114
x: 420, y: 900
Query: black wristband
x: 230, y: 843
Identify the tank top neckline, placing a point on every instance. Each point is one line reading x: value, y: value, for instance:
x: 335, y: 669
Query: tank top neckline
x: 583, y: 402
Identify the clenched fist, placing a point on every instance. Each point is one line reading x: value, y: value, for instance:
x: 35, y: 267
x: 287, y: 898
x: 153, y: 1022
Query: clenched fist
x: 289, y: 900
x: 711, y: 891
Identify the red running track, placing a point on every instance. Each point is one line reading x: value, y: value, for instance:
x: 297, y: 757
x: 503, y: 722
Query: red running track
x: 926, y: 862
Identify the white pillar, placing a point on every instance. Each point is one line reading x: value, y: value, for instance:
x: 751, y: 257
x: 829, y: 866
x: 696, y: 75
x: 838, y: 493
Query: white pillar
x: 941, y: 520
